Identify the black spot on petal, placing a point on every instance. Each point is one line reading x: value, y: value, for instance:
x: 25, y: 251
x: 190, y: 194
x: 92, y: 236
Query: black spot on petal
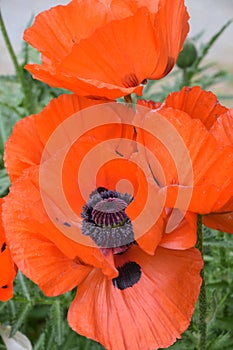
x: 129, y: 274
x: 4, y: 287
x: 3, y: 247
x: 66, y: 224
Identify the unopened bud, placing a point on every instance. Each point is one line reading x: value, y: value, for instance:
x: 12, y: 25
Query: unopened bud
x: 188, y: 55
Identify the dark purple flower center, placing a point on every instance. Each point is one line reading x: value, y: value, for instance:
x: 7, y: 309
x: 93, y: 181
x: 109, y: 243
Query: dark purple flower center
x: 110, y: 212
x: 105, y: 219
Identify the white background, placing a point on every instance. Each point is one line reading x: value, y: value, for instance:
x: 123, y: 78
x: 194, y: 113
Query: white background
x: 208, y: 15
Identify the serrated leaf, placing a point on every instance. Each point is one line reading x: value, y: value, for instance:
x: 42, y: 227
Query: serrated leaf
x: 219, y: 244
x: 56, y: 315
x: 4, y: 182
x: 20, y: 317
x: 210, y: 43
x: 40, y: 344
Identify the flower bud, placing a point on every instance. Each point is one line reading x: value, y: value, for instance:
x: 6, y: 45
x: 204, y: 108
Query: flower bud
x: 188, y: 55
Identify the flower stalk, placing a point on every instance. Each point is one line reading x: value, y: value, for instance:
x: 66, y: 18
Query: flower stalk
x: 18, y: 68
x: 202, y: 296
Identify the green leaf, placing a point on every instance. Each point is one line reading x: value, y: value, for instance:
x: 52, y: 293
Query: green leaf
x: 40, y: 344
x: 21, y: 315
x: 210, y: 43
x: 57, y: 318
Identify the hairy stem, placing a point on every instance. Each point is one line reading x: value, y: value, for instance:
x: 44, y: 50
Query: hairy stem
x: 18, y: 68
x: 185, y: 81
x: 202, y: 296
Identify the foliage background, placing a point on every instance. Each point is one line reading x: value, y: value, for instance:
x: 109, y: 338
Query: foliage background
x: 43, y: 320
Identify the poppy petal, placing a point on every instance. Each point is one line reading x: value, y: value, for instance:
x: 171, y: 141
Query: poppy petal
x: 20, y: 219
x: 54, y: 31
x: 171, y: 26
x: 46, y: 265
x: 182, y: 237
x: 84, y: 87
x: 189, y: 156
x: 116, y: 35
x: 36, y: 129
x: 223, y: 129
x: 7, y: 266
x: 106, y: 32
x: 197, y: 103
x: 222, y: 220
x: 147, y: 307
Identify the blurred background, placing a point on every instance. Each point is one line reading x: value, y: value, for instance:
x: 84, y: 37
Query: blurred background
x: 207, y: 16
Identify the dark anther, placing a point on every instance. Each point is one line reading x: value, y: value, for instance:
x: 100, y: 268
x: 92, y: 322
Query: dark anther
x: 129, y: 274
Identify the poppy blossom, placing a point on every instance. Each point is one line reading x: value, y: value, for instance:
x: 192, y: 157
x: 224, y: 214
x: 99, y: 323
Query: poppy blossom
x: 107, y: 49
x: 7, y: 267
x: 204, y: 106
x: 137, y: 294
x: 209, y: 142
x: 223, y: 132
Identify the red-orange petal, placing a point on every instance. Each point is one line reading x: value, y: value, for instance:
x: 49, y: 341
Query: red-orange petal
x: 221, y: 220
x: 222, y: 129
x: 223, y: 132
x: 24, y: 214
x: 55, y: 31
x: 188, y: 156
x: 184, y: 236
x: 112, y: 34
x: 171, y: 26
x: 42, y: 262
x: 25, y: 146
x: 197, y: 103
x: 7, y: 266
x: 150, y: 314
x: 91, y: 88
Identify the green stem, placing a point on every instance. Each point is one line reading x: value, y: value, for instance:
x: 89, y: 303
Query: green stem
x: 18, y: 68
x: 202, y: 296
x: 185, y: 77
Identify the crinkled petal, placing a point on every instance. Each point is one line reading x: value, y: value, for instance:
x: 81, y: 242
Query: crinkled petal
x: 103, y: 30
x: 25, y: 146
x: 171, y: 26
x: 80, y: 86
x: 184, y: 236
x: 147, y: 307
x: 25, y: 216
x: 184, y: 157
x: 222, y: 220
x: 223, y: 129
x: 197, y: 103
x: 7, y: 266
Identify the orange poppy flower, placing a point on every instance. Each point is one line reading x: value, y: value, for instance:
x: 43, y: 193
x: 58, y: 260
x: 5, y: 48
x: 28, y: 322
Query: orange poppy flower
x: 109, y: 49
x: 7, y: 267
x: 209, y: 142
x: 135, y: 294
x: 223, y: 132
